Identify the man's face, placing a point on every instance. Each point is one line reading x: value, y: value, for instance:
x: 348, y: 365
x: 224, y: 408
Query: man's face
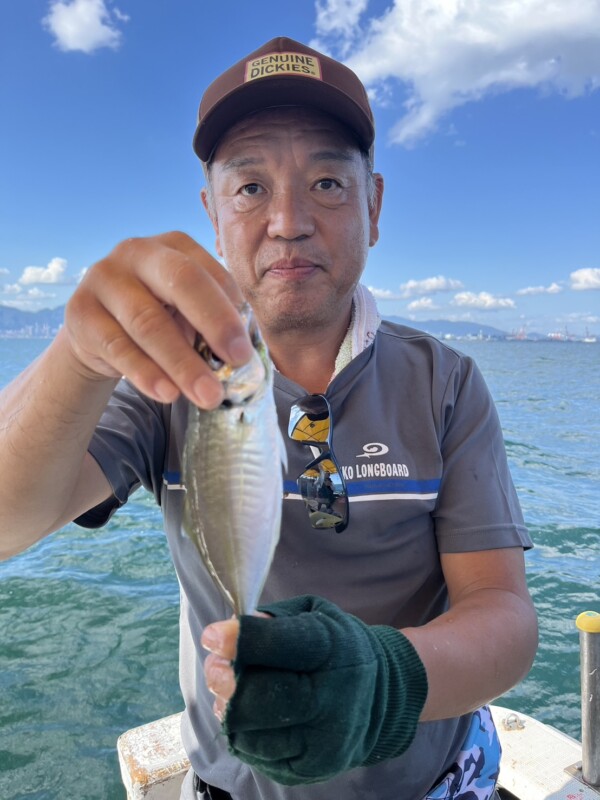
x: 292, y: 216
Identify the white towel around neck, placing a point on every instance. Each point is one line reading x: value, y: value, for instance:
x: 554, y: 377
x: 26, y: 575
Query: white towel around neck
x: 364, y: 324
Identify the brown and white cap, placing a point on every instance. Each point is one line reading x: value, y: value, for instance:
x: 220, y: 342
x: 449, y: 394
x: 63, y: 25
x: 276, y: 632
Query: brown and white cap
x: 283, y: 72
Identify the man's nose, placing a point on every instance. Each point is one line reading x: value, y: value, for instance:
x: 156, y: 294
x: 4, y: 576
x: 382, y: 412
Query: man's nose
x: 290, y: 215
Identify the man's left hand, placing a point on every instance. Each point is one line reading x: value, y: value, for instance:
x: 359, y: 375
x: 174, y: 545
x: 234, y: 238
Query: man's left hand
x: 314, y: 691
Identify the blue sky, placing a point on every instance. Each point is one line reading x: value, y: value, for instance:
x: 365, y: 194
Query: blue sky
x: 488, y: 125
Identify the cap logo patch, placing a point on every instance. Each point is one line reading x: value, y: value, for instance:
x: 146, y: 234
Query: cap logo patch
x: 282, y: 64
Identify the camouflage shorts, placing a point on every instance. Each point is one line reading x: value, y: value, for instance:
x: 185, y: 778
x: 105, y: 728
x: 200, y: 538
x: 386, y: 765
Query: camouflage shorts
x: 474, y: 774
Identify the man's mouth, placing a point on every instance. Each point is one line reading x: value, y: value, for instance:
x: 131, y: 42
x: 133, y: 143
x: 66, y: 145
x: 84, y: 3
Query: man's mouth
x: 292, y: 268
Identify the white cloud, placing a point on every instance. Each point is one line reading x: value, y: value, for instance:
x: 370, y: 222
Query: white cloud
x: 584, y: 279
x: 84, y: 25
x: 426, y: 286
x: 55, y: 272
x: 12, y: 288
x: 339, y: 16
x: 554, y: 288
x: 38, y: 294
x: 445, y: 53
x: 484, y: 301
x: 384, y: 294
x: 4, y: 271
x: 120, y: 15
x: 422, y: 304
x: 582, y: 316
x: 26, y: 300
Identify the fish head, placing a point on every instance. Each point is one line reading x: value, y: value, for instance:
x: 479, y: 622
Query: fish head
x: 241, y: 384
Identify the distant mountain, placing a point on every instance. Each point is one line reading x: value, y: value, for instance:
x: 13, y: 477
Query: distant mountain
x: 443, y: 328
x: 48, y: 321
x: 32, y: 323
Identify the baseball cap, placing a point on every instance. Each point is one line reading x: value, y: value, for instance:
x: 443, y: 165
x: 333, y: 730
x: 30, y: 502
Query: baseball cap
x: 283, y: 72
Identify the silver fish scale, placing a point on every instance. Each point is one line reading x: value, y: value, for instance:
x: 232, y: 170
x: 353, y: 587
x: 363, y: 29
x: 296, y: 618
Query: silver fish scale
x: 232, y: 511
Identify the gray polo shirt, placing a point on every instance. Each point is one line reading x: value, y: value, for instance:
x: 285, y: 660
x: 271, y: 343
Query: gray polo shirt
x: 419, y: 442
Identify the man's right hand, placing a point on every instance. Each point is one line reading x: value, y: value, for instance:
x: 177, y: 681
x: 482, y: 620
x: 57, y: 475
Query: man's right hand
x: 136, y: 313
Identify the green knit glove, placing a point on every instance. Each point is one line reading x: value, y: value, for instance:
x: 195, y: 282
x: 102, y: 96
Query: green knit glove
x: 319, y: 692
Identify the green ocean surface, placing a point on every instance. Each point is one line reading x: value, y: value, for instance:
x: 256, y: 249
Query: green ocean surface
x: 89, y: 619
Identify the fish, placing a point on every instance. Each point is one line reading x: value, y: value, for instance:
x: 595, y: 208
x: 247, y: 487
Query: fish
x: 232, y: 472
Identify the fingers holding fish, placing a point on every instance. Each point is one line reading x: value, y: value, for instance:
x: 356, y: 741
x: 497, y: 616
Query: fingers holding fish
x: 221, y: 640
x: 133, y: 311
x: 220, y: 680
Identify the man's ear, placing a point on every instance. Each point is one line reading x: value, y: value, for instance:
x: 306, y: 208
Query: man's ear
x: 209, y: 207
x: 375, y: 209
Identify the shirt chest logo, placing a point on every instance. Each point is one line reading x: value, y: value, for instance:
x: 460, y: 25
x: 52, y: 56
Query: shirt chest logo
x: 373, y: 449
x: 373, y: 465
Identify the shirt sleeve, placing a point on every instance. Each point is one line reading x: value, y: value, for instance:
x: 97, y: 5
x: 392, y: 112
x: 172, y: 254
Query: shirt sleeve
x: 129, y: 445
x: 477, y: 508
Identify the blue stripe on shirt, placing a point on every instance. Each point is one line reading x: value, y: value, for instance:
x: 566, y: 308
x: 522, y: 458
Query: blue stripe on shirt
x: 381, y: 486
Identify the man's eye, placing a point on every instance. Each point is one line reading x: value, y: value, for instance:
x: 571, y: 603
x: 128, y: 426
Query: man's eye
x: 327, y: 184
x: 251, y: 189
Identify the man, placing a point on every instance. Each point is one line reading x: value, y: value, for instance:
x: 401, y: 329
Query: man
x: 387, y: 639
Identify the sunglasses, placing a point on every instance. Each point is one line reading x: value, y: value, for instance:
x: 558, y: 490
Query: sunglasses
x: 321, y: 484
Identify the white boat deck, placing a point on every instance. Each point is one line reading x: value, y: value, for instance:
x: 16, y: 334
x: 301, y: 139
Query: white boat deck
x: 153, y: 761
x: 537, y: 761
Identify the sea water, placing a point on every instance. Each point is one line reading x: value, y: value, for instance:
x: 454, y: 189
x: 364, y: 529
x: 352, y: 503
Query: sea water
x: 88, y: 619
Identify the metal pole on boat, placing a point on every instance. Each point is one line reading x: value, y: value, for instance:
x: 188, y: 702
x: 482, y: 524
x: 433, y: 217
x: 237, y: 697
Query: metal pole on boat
x: 589, y: 640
